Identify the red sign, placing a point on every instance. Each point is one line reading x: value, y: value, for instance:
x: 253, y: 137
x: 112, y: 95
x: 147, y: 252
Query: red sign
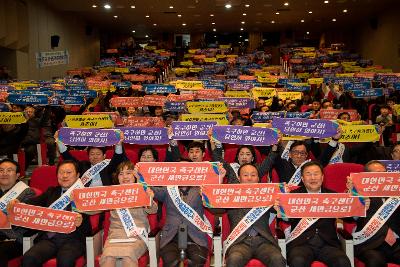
x: 179, y: 173
x: 247, y: 77
x: 376, y: 184
x: 126, y: 102
x: 178, y: 98
x: 154, y: 100
x: 332, y: 114
x: 111, y: 197
x: 239, y: 195
x: 133, y: 121
x: 209, y: 94
x: 43, y: 219
x: 321, y: 205
x: 136, y: 87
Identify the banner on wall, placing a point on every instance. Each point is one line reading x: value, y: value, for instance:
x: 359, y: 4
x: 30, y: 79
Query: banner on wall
x: 52, y: 58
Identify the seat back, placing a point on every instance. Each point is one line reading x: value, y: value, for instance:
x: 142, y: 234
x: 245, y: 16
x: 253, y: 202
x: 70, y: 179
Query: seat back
x: 43, y: 177
x: 80, y: 155
x: 335, y: 175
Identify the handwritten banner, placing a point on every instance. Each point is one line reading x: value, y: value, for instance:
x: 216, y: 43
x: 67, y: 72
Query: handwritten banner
x: 133, y: 121
x: 126, y: 102
x: 89, y: 121
x: 179, y: 173
x: 376, y: 184
x: 359, y: 133
x: 145, y: 135
x: 244, y: 135
x: 12, y: 118
x: 191, y: 130
x: 306, y: 127
x: 89, y: 137
x: 43, y: 219
x: 391, y: 165
x: 206, y: 107
x: 159, y: 88
x: 111, y: 197
x: 332, y: 114
x: 320, y: 205
x: 219, y: 118
x: 239, y: 195
x: 28, y: 99
x: 238, y: 103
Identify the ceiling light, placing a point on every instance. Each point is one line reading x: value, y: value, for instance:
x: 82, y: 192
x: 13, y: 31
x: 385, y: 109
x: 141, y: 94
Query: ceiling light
x: 326, y: 2
x: 241, y: 29
x: 243, y: 22
x: 211, y: 15
x: 272, y: 21
x: 277, y: 13
x: 308, y: 32
x: 171, y: 7
x: 244, y: 14
x: 147, y: 36
x: 179, y: 15
x: 309, y: 12
x: 286, y: 4
x: 213, y: 23
x: 147, y: 16
x: 240, y: 36
x: 115, y: 16
x: 215, y: 36
x: 333, y: 20
x: 183, y: 24
x: 155, y: 24
x: 133, y: 31
x: 228, y: 6
x: 94, y: 6
x: 107, y: 6
x: 247, y: 5
x: 133, y: 7
x: 214, y: 30
x: 344, y: 10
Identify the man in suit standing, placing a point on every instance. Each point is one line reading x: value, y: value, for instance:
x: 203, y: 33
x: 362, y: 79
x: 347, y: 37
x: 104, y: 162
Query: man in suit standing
x: 257, y: 241
x: 96, y: 155
x: 67, y: 248
x: 319, y: 242
x: 384, y: 246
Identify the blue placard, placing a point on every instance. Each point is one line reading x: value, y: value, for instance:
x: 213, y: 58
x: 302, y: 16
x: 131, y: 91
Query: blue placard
x: 238, y: 102
x: 300, y: 115
x: 28, y: 99
x: 76, y: 87
x: 175, y: 106
x: 284, y: 81
x: 159, y: 89
x: 374, y: 92
x: 266, y: 116
x: 85, y: 93
x: 73, y: 100
x: 122, y: 85
x: 30, y: 92
x: 391, y: 165
x: 357, y: 86
x: 396, y: 86
x: 297, y: 88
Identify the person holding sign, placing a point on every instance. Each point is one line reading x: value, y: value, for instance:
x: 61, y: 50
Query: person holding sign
x: 99, y: 169
x: 381, y: 245
x: 313, y: 239
x: 67, y: 248
x: 118, y: 243
x: 255, y: 240
x: 11, y: 188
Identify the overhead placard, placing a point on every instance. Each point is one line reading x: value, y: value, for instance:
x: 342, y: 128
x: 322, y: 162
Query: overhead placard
x: 159, y: 88
x: 332, y: 114
x: 359, y: 133
x: 145, y: 135
x: 207, y: 107
x: 89, y: 121
x: 244, y: 135
x: 290, y: 95
x: 306, y: 127
x: 391, y: 165
x: 189, y: 85
x: 238, y: 103
x: 126, y: 102
x: 191, y: 130
x: 12, y: 118
x: 376, y: 184
x: 179, y: 173
x: 88, y: 137
x: 219, y: 118
x: 17, y: 99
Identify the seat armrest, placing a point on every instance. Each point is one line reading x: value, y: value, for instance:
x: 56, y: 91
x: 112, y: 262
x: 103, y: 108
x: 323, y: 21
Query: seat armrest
x: 27, y: 242
x: 94, y: 247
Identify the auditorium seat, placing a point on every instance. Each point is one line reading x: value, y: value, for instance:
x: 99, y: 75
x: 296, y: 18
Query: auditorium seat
x: 335, y: 175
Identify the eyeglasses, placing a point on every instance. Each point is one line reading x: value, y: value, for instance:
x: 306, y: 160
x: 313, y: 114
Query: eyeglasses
x: 299, y: 153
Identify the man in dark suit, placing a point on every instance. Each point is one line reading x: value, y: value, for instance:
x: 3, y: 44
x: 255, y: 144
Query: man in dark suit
x: 384, y: 246
x: 96, y: 155
x: 67, y: 248
x: 257, y: 241
x: 319, y: 241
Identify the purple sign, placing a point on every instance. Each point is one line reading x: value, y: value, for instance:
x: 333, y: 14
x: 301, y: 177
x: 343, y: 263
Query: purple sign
x: 179, y: 106
x: 88, y: 137
x: 240, y: 86
x: 306, y: 127
x: 145, y: 135
x: 238, y: 103
x: 391, y: 165
x: 191, y: 130
x: 266, y: 116
x: 245, y: 135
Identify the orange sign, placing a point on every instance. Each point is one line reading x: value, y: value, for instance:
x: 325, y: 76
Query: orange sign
x: 179, y: 173
x: 320, y: 205
x: 209, y: 94
x: 332, y: 114
x: 133, y: 121
x: 178, y: 98
x: 247, y: 77
x: 154, y: 100
x: 239, y: 195
x: 4, y: 223
x: 111, y: 197
x: 43, y: 219
x: 126, y: 102
x: 376, y: 184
